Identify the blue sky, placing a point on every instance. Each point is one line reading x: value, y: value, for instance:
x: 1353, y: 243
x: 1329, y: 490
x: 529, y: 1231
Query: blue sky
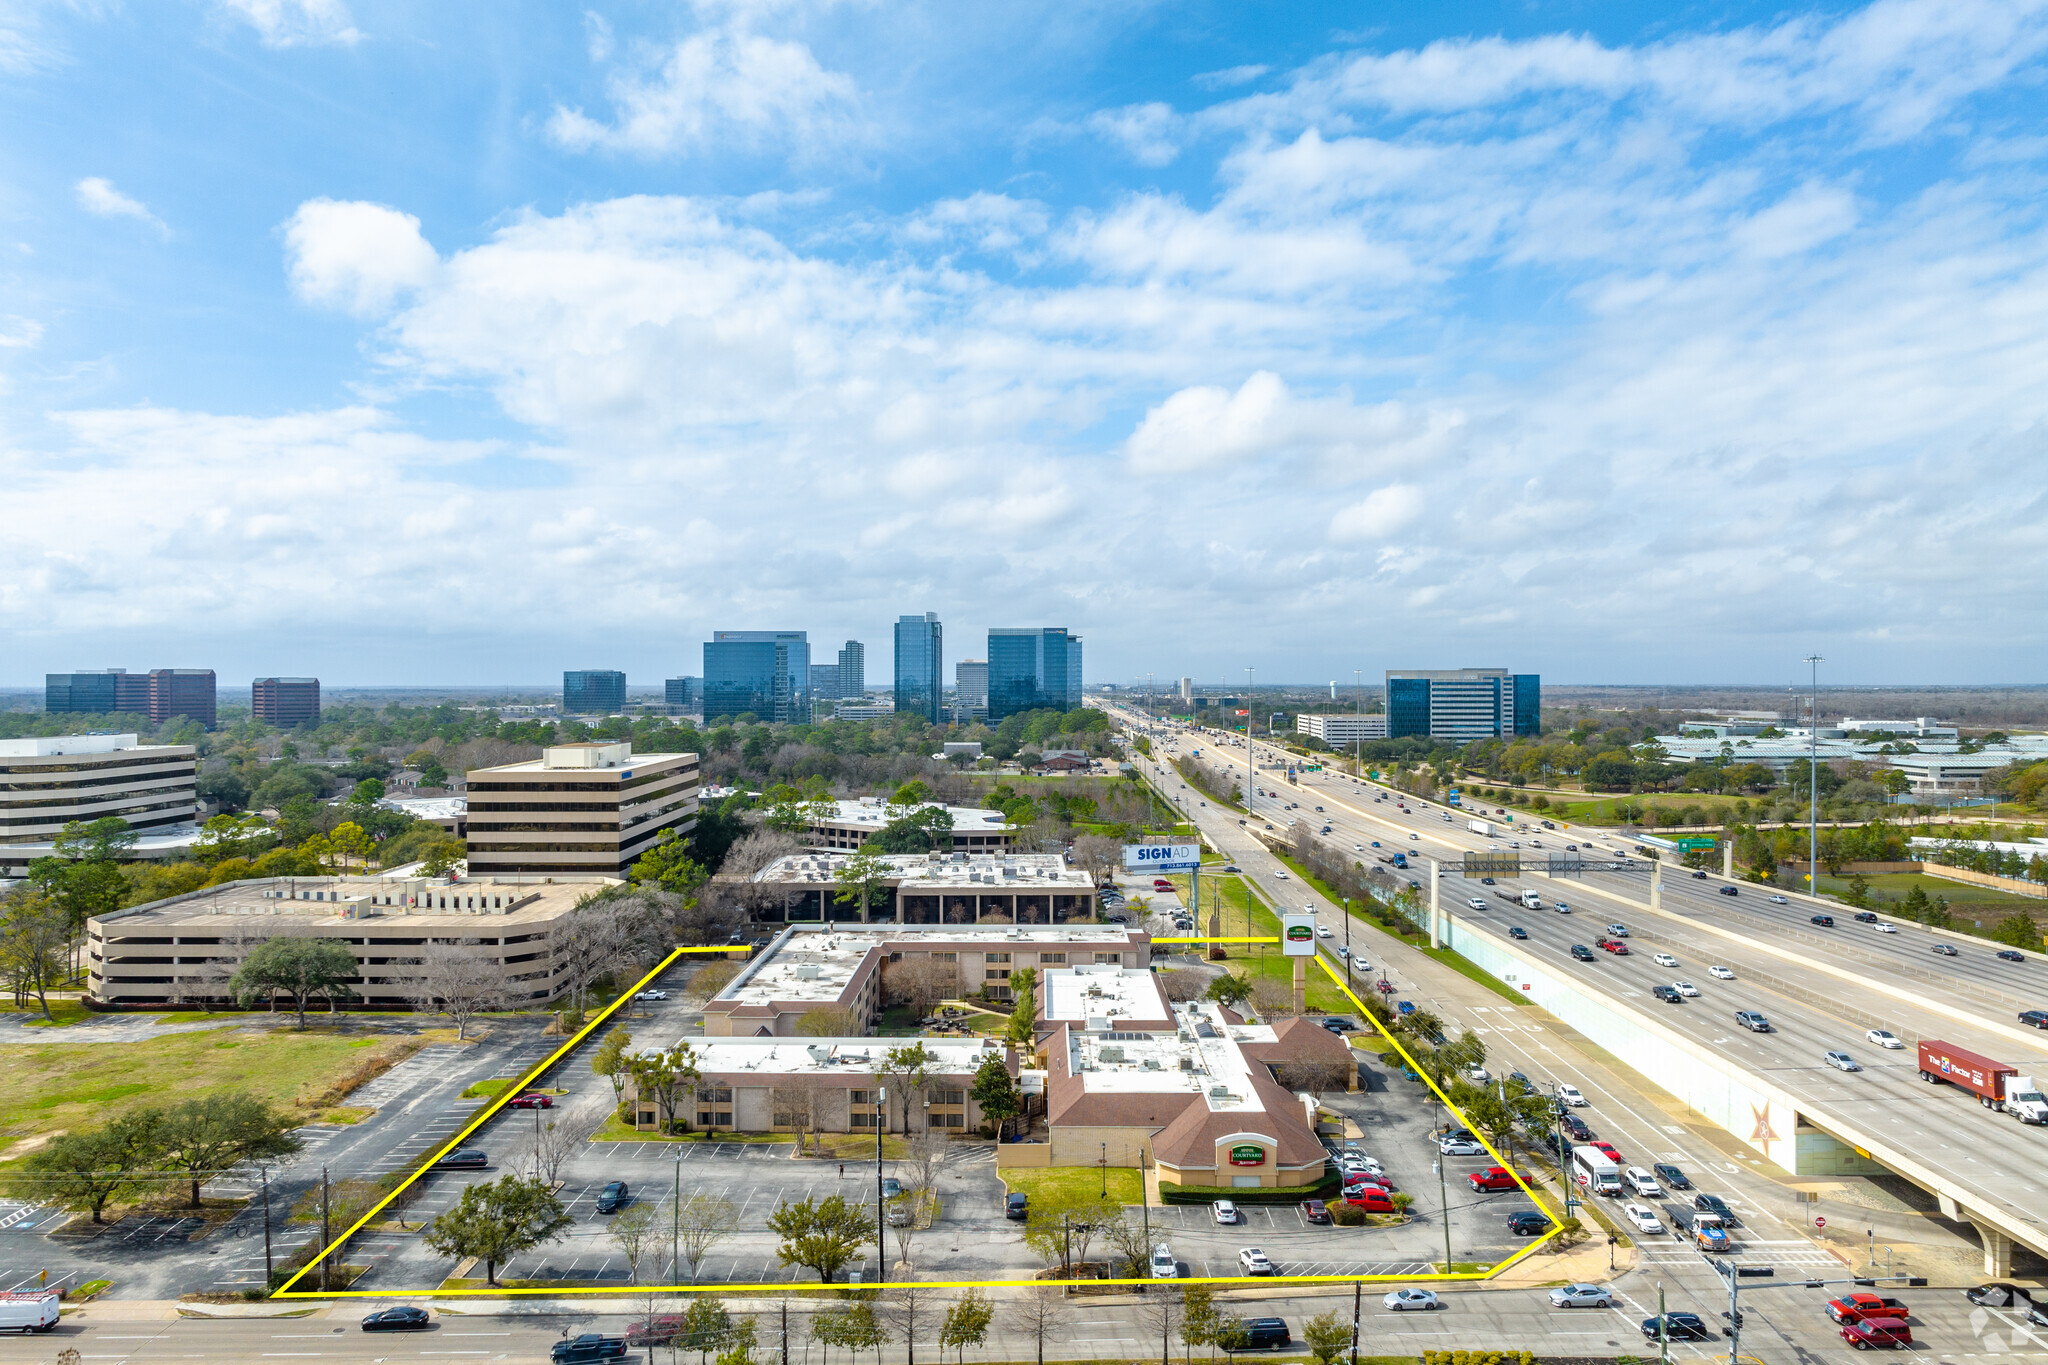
x: 466, y: 343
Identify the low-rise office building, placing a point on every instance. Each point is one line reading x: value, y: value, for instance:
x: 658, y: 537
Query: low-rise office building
x: 853, y: 823
x: 841, y: 968
x: 286, y: 703
x: 45, y: 784
x: 924, y: 888
x: 1341, y: 731
x: 185, y: 949
x: 588, y: 808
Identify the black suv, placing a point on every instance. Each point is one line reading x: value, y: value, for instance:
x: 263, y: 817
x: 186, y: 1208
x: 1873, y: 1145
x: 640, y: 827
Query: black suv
x: 589, y: 1346
x: 1824, y: 921
x: 1527, y: 1223
x: 1017, y: 1207
x: 1263, y: 1334
x: 1677, y: 1327
x: 1668, y: 994
x: 1582, y: 952
x: 1575, y: 1128
x: 613, y: 1197
x: 1715, y: 1204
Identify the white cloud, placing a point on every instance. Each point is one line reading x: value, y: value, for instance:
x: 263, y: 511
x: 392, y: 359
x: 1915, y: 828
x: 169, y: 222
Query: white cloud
x: 597, y: 36
x: 1151, y: 133
x: 1384, y: 512
x: 720, y: 87
x: 1229, y: 76
x: 988, y: 222
x: 19, y: 334
x: 295, y: 23
x: 98, y: 197
x: 1207, y: 425
x: 355, y: 256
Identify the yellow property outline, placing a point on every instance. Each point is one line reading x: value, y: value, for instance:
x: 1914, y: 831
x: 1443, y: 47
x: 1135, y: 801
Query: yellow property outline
x: 511, y: 1092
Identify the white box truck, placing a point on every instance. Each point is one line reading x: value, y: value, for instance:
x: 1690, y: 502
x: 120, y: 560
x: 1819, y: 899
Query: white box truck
x: 28, y: 1311
x: 1479, y: 826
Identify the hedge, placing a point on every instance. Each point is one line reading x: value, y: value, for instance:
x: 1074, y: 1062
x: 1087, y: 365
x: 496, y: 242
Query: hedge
x: 1329, y: 1187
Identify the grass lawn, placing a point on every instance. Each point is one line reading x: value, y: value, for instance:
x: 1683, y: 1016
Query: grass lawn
x: 1076, y: 1182
x: 62, y: 1012
x: 1887, y: 887
x: 618, y: 1130
x: 53, y: 1087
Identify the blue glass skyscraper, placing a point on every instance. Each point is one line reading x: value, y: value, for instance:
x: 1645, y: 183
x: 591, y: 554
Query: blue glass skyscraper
x: 593, y: 692
x: 1033, y: 669
x: 763, y: 673
x: 920, y: 665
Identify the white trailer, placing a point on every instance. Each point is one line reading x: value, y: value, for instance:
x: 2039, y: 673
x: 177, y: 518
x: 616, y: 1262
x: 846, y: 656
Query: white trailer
x: 1479, y: 826
x: 28, y: 1311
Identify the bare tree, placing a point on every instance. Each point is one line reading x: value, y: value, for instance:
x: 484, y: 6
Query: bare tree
x: 1126, y: 1236
x: 1161, y: 1314
x: 1318, y: 1078
x: 203, y: 980
x: 1273, y: 999
x: 927, y: 1158
x: 790, y: 1104
x: 589, y: 943
x: 827, y: 1021
x: 1036, y: 1312
x: 458, y: 978
x: 921, y: 983
x: 1098, y: 855
x: 754, y: 851
x: 556, y: 1140
x: 699, y: 1224
x: 1184, y: 983
x: 633, y: 1229
x: 908, y: 1311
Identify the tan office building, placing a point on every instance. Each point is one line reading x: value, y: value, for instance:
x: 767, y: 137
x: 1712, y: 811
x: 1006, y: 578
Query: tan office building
x: 47, y: 783
x: 578, y: 808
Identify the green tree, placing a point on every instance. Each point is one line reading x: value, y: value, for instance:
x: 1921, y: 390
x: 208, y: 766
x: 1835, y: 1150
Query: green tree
x: 104, y: 840
x: 89, y: 1170
x: 233, y: 836
x: 1230, y: 988
x: 1201, y: 1323
x: 2017, y: 929
x: 903, y: 1072
x: 349, y: 841
x: 995, y: 1092
x: 1024, y: 1015
x: 1327, y: 1336
x: 863, y: 878
x: 915, y: 792
x: 707, y: 1326
x: 498, y: 1220
x: 204, y: 1137
x: 669, y: 865
x: 299, y: 968
x: 36, y: 935
x: 609, y: 1060
x: 1858, y: 893
x: 821, y: 1234
x: 967, y: 1323
x: 740, y: 1344
x: 854, y: 1328
x: 667, y: 1078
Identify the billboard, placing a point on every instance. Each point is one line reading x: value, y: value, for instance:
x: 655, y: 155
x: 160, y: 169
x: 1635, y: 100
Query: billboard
x: 1298, y: 935
x: 1162, y: 857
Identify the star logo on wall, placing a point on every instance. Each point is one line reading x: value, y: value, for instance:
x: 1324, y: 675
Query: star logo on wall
x: 1763, y: 1132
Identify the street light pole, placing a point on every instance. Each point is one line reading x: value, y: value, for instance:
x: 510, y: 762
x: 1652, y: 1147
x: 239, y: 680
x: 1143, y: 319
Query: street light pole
x: 1813, y: 781
x: 1250, y: 775
x: 881, y: 1217
x: 1358, y: 731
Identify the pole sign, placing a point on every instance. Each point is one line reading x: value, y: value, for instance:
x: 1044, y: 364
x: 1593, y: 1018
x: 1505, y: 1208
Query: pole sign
x: 1298, y: 935
x: 1162, y: 857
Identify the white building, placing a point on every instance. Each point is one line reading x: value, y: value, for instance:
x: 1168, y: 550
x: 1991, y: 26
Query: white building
x: 1920, y: 727
x: 852, y: 823
x: 863, y: 708
x: 1341, y: 731
x: 48, y: 783
x: 578, y: 808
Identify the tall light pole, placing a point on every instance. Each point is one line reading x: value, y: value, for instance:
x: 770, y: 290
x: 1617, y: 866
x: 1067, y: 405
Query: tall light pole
x: 1249, y: 774
x: 1358, y: 734
x: 1813, y: 781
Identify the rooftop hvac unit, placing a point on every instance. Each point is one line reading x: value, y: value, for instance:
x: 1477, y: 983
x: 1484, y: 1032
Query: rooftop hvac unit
x: 1187, y: 1064
x: 1151, y: 1063
x: 807, y: 972
x: 1111, y: 1054
x: 819, y: 1053
x: 1219, y: 1092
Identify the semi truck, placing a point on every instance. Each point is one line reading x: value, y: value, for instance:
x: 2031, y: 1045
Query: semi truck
x: 1480, y: 826
x: 1996, y: 1085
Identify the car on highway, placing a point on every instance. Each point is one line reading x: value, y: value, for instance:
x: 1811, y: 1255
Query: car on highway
x: 1643, y: 1183
x: 1581, y: 1296
x: 1264, y: 1334
x: 1612, y: 945
x: 1224, y: 1212
x: 468, y: 1159
x: 2034, y: 1018
x: 1164, y: 1266
x: 1613, y: 1152
x: 1582, y: 952
x: 1278, y: 875
x: 1824, y: 921
x: 613, y: 1197
x: 1516, y: 931
x: 1721, y: 973
x: 1492, y: 1178
x: 1672, y: 1177
x: 1561, y: 907
x: 1403, y: 1300
x: 1753, y: 1021
x: 1668, y: 994
x: 1699, y: 876
x: 1324, y: 931
x: 2008, y: 955
x: 1643, y: 1219
x: 1728, y: 891
x: 1945, y: 949
x: 1343, y: 952
x: 1571, y: 1096
x: 1677, y: 1327
x: 1475, y: 903
x: 404, y: 1318
x: 1315, y: 1211
x: 1716, y: 1205
x: 1664, y: 959
x: 1884, y: 928
x: 1840, y: 1061
x: 1884, y: 1038
x: 1527, y: 1223
x: 1618, y: 930
x: 532, y: 1099
x: 1864, y: 917
x: 1779, y: 900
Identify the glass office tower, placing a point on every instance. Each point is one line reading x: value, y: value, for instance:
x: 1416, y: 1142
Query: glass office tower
x: 920, y: 665
x: 759, y: 672
x: 1463, y: 703
x: 853, y: 669
x: 97, y: 692
x: 1031, y: 670
x: 593, y: 692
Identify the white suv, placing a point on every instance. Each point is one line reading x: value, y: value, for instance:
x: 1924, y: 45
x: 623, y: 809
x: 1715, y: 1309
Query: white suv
x: 1642, y: 1182
x: 1164, y: 1267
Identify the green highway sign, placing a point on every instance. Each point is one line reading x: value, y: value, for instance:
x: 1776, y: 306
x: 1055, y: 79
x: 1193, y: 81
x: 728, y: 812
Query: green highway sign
x: 1696, y: 843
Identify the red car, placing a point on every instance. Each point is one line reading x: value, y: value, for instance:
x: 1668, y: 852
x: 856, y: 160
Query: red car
x: 1371, y: 1199
x: 654, y: 1331
x: 1315, y: 1211
x: 1608, y: 1148
x: 532, y: 1100
x: 1865, y: 1307
x: 1161, y: 884
x: 1612, y: 945
x: 1492, y: 1178
x: 1866, y: 1336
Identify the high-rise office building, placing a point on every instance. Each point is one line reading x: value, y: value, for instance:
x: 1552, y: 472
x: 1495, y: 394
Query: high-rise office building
x: 286, y: 703
x: 97, y: 692
x: 593, y: 692
x: 763, y: 673
x: 684, y: 692
x: 181, y: 692
x: 1032, y: 670
x: 920, y: 665
x: 970, y: 690
x: 1463, y: 703
x: 1187, y: 689
x: 853, y: 672
x: 824, y: 682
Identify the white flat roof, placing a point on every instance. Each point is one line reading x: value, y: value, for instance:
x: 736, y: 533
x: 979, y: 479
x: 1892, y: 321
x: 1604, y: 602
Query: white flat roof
x: 995, y: 872
x: 1203, y: 1056
x: 1105, y: 991
x: 817, y: 964
x: 830, y: 1056
x: 872, y: 813
x: 54, y: 746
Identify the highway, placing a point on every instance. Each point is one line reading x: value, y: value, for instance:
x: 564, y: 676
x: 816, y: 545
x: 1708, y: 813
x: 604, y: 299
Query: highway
x: 1987, y: 1160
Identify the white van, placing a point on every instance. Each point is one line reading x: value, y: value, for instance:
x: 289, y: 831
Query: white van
x: 29, y: 1311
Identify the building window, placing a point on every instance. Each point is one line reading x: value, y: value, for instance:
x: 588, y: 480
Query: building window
x: 714, y: 1118
x: 863, y: 1097
x: 1052, y: 957
x: 949, y: 1120
x: 995, y: 957
x: 1108, y: 957
x: 865, y: 1120
x: 945, y: 957
x: 948, y: 1096
x: 714, y: 1094
x: 998, y: 974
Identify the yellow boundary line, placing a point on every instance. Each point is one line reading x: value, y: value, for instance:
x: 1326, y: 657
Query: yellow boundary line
x: 286, y: 1291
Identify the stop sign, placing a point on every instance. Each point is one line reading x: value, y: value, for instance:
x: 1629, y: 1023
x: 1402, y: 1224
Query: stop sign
x: 1820, y: 1222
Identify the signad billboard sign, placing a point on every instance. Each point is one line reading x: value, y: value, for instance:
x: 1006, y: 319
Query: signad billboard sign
x: 1162, y: 857
x: 1298, y: 935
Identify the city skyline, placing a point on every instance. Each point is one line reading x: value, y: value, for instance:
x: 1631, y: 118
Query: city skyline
x: 1635, y: 347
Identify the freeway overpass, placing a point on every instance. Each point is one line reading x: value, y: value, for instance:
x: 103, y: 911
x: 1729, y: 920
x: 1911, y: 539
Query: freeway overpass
x: 1821, y: 989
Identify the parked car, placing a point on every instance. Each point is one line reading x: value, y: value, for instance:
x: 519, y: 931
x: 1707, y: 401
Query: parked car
x: 1492, y: 1178
x: 1402, y: 1300
x: 404, y: 1318
x: 1581, y: 1296
x: 1369, y: 1199
x: 1224, y: 1212
x: 1315, y: 1211
x: 532, y: 1099
x: 1164, y: 1266
x: 1254, y: 1261
x: 467, y: 1159
x: 613, y: 1197
x: 1460, y: 1147
x: 1017, y: 1207
x: 1571, y: 1096
x: 1528, y: 1223
x: 651, y: 995
x: 1262, y: 1334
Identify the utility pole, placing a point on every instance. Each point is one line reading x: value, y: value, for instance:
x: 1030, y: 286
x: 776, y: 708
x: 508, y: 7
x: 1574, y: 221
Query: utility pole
x: 268, y: 1270
x: 1358, y: 734
x: 1444, y: 1193
x: 1250, y: 773
x: 675, y: 1232
x: 785, y: 1331
x: 881, y: 1218
x: 1357, y: 1303
x: 326, y: 1265
x: 1813, y: 782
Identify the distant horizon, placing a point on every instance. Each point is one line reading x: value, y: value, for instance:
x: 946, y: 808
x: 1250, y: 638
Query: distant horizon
x: 1163, y: 687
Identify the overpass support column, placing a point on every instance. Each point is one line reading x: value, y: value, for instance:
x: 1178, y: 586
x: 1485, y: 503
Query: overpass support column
x: 1997, y: 1251
x: 1436, y: 907
x: 1656, y: 883
x: 1728, y: 858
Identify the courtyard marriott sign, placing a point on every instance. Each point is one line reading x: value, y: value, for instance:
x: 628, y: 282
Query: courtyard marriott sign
x: 1248, y: 1154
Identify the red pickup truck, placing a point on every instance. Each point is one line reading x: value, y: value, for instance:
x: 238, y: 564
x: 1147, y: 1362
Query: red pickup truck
x: 1867, y: 1336
x: 1865, y: 1308
x: 1492, y: 1178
